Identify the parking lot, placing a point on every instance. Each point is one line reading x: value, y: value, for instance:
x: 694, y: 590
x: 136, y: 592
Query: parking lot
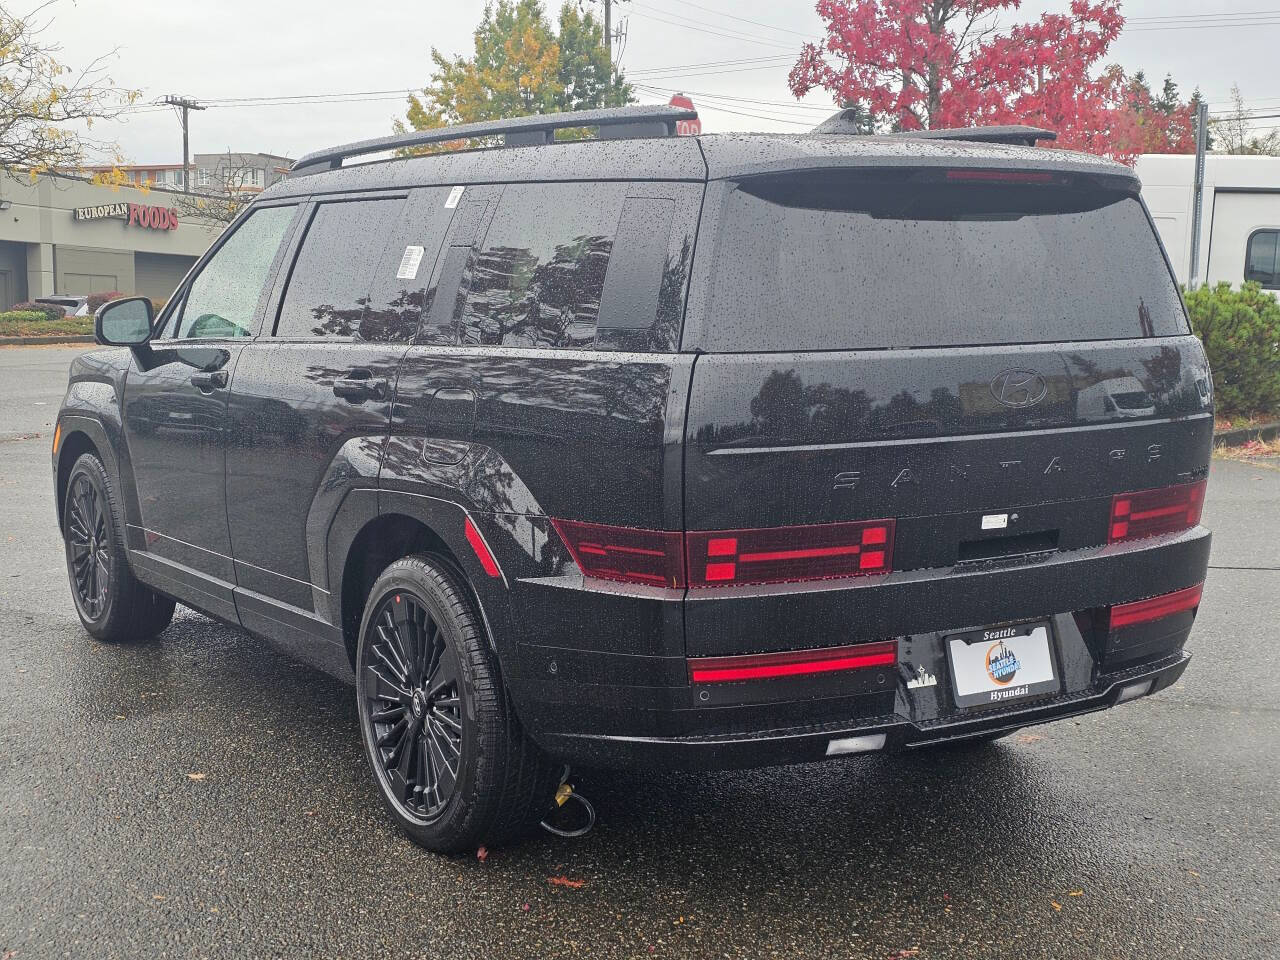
x: 205, y: 796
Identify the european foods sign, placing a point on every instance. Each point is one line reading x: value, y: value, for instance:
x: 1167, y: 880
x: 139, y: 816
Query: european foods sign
x: 134, y: 214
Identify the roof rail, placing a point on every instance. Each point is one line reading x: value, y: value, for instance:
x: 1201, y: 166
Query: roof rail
x: 615, y: 123
x: 845, y: 122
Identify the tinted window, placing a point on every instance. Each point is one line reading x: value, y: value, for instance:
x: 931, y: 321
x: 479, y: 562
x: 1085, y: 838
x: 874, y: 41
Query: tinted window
x: 828, y: 263
x: 223, y: 298
x: 344, y: 282
x: 1260, y: 258
x: 538, y: 278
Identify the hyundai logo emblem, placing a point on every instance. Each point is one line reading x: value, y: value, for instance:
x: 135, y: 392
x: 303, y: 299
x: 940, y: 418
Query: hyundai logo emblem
x: 1018, y: 388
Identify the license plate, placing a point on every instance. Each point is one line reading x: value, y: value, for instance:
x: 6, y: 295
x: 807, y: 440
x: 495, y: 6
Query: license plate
x: 998, y: 664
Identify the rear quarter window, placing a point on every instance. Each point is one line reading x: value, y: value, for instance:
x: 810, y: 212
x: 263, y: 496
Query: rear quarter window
x: 828, y: 262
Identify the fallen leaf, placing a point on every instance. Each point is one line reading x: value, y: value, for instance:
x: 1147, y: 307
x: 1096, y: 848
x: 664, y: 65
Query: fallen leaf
x: 1029, y: 737
x: 196, y: 776
x: 1056, y: 905
x: 1075, y: 893
x: 482, y: 854
x: 1194, y: 873
x: 157, y: 896
x: 524, y: 907
x: 563, y: 881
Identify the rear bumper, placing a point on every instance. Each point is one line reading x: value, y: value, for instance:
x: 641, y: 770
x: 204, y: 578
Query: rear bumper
x: 813, y: 742
x: 600, y: 706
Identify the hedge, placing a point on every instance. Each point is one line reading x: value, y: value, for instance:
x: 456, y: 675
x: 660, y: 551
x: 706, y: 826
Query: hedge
x: 1240, y: 330
x: 51, y: 310
x: 30, y: 323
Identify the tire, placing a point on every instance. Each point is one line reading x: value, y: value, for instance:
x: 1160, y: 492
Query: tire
x: 453, y: 766
x: 112, y: 604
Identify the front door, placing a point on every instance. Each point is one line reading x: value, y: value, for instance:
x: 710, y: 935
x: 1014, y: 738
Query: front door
x: 175, y: 411
x: 310, y: 404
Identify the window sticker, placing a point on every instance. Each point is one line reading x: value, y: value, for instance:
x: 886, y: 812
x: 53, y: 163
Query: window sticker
x: 409, y: 263
x: 454, y: 196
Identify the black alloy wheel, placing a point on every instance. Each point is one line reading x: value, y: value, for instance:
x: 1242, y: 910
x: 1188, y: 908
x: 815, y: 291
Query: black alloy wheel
x: 112, y: 604
x: 412, y: 699
x: 88, y: 545
x: 453, y: 765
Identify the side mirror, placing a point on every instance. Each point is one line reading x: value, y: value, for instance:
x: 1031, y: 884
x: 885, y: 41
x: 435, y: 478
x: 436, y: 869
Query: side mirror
x: 124, y: 323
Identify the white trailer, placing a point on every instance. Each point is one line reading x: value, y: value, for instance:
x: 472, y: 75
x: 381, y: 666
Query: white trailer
x: 1240, y: 228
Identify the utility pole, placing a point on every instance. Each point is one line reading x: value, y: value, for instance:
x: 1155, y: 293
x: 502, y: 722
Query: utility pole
x: 608, y: 28
x: 1197, y: 207
x: 184, y: 104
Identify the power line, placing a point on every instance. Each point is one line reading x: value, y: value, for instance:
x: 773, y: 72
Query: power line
x: 717, y: 33
x: 749, y: 101
x: 757, y: 23
x: 710, y: 63
x: 707, y: 23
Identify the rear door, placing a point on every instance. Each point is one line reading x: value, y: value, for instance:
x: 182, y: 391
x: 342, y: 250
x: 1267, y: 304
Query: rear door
x: 311, y: 399
x: 983, y: 362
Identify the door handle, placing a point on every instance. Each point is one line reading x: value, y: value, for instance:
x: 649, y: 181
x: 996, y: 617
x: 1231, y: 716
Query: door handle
x: 209, y: 380
x: 360, y: 386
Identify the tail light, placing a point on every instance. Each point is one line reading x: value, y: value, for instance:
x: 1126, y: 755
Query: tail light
x: 781, y: 554
x: 1151, y: 512
x: 1165, y: 605
x: 654, y: 557
x: 729, y: 557
x: 793, y: 663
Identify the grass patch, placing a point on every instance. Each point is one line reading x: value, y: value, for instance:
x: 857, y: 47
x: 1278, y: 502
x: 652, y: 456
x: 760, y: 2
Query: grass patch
x: 1250, y: 451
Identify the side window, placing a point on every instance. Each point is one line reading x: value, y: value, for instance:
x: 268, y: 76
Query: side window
x: 223, y: 298
x: 343, y: 283
x: 538, y: 279
x: 1260, y: 258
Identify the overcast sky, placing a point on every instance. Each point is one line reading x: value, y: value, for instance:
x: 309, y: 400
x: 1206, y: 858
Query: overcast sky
x: 222, y: 49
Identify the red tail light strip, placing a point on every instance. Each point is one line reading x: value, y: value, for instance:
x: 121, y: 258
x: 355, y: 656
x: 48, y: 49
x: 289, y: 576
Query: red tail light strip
x: 793, y: 663
x: 1166, y: 605
x: 653, y: 557
x: 1147, y: 513
x: 788, y: 554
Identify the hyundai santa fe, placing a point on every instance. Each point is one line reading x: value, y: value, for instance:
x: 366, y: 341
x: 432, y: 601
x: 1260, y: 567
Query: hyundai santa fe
x: 703, y: 452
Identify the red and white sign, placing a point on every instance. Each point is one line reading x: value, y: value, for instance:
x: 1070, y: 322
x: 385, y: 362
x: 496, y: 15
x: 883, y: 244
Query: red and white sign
x: 686, y: 128
x: 153, y: 218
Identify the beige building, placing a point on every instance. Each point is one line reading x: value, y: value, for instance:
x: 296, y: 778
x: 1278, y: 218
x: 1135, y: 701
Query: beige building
x: 64, y: 235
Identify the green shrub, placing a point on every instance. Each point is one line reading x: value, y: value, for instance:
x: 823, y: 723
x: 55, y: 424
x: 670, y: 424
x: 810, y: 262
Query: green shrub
x: 1240, y: 330
x: 51, y: 310
x: 30, y: 323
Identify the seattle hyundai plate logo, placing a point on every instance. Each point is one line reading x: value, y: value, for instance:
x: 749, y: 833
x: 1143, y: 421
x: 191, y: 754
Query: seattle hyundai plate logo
x: 1019, y: 388
x: 1002, y: 663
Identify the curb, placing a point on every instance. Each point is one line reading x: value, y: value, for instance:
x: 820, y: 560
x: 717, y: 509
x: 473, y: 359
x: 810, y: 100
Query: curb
x: 1238, y: 438
x: 41, y: 341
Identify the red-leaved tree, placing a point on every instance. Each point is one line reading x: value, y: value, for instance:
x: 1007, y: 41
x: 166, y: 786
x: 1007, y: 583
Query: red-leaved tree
x: 915, y: 64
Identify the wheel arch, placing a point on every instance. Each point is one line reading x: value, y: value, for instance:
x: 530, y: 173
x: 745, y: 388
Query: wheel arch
x: 365, y: 540
x: 80, y: 435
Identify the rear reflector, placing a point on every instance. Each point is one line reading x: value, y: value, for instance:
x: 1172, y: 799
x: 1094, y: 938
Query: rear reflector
x: 482, y: 551
x: 1147, y: 513
x: 1144, y: 611
x: 654, y: 557
x: 782, y: 554
x: 793, y: 663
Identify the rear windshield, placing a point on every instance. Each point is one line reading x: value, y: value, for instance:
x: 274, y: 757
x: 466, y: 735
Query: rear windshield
x: 827, y: 262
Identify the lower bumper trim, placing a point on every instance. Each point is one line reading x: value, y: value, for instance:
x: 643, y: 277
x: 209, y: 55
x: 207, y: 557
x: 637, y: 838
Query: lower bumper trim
x: 802, y: 744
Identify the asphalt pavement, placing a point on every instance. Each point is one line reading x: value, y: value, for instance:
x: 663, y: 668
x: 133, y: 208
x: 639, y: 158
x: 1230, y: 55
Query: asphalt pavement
x: 205, y: 796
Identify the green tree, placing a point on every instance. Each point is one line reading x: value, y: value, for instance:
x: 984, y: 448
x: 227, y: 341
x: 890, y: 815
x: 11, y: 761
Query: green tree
x: 44, y: 104
x: 521, y: 66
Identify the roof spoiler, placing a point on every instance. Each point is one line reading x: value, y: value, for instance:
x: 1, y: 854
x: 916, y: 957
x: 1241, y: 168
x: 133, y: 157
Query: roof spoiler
x: 615, y: 123
x: 845, y: 122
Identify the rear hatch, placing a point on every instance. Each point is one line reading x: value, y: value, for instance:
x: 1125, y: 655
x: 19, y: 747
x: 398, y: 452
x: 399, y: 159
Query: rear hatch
x: 984, y: 358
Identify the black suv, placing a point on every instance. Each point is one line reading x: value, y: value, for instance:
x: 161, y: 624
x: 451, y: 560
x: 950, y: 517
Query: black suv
x: 643, y: 449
